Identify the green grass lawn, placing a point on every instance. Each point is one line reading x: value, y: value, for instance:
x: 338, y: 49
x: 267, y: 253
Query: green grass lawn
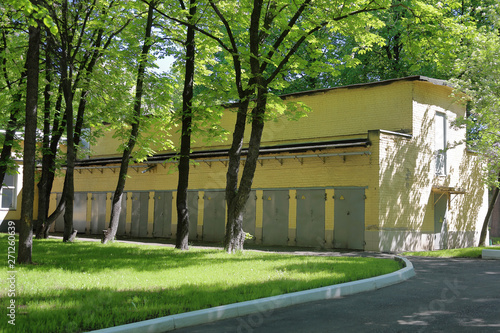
x: 85, y: 285
x: 469, y: 252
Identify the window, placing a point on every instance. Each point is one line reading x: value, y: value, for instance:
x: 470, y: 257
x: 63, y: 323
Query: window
x: 440, y: 143
x: 8, y: 192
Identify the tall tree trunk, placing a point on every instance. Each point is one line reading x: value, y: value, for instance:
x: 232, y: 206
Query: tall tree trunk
x: 484, y: 229
x: 232, y: 175
x: 48, y: 161
x: 187, y: 117
x: 67, y: 74
x: 70, y: 167
x: 235, y: 236
x: 26, y: 223
x: 48, y: 173
x: 43, y: 198
x: 110, y: 233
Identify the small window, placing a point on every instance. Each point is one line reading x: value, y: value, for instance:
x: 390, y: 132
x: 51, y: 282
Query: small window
x: 440, y: 143
x: 8, y: 192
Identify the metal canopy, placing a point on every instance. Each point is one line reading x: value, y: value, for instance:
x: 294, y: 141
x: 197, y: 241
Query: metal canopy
x: 222, y: 155
x: 448, y: 191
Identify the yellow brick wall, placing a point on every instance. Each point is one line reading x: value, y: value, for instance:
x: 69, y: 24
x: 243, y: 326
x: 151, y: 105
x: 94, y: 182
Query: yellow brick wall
x: 407, y: 170
x: 339, y: 113
x: 398, y: 174
x: 405, y: 183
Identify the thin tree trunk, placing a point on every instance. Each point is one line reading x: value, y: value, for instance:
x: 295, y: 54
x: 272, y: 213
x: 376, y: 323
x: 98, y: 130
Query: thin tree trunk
x: 70, y: 167
x: 484, y: 229
x: 110, y: 233
x: 235, y: 235
x: 48, y: 162
x: 232, y: 175
x: 67, y: 73
x: 43, y: 198
x: 26, y: 223
x: 187, y: 117
x: 48, y: 174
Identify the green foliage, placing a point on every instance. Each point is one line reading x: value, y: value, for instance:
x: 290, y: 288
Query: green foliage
x: 86, y: 285
x: 478, y: 83
x: 23, y: 9
x: 409, y: 38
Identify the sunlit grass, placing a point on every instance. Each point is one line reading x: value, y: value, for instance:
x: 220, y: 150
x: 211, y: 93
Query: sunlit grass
x: 85, y: 285
x: 469, y: 252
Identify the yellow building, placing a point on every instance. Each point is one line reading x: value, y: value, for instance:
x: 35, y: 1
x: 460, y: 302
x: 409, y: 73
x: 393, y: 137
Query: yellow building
x: 373, y: 167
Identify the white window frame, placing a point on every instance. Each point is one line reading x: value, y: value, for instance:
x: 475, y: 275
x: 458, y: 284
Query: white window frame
x: 14, y: 194
x: 440, y: 146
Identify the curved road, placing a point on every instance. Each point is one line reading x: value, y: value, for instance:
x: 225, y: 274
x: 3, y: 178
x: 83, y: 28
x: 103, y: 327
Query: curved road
x: 446, y: 295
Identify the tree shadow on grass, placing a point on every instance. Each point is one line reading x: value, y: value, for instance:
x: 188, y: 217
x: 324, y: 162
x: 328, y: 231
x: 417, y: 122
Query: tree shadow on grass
x: 77, y: 310
x: 95, y: 257
x: 69, y: 309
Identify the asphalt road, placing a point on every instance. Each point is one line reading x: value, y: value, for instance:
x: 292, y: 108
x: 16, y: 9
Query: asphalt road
x: 446, y: 295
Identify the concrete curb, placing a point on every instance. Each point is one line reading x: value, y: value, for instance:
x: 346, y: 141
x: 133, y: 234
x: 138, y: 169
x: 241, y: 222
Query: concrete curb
x: 490, y: 254
x: 193, y: 318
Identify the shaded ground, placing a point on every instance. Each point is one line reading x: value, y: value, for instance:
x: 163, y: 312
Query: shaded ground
x: 252, y: 247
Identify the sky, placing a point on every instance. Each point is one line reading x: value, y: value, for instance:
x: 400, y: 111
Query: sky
x: 164, y: 64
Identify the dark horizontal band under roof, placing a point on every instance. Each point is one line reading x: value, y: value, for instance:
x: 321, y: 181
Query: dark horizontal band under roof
x: 290, y: 148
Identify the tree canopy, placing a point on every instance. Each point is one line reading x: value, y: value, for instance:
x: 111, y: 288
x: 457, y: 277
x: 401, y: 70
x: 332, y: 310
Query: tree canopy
x: 247, y: 52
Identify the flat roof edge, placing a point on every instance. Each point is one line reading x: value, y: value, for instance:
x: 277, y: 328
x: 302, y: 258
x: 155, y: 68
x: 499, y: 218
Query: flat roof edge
x: 422, y: 78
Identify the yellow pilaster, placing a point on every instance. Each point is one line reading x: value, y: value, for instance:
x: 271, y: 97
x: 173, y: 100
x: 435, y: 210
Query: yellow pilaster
x: 52, y: 207
x: 128, y: 217
x: 89, y: 213
x: 329, y: 217
x: 151, y: 213
x: 109, y: 201
x: 292, y: 217
x: 259, y: 211
x: 174, y: 214
x: 201, y: 212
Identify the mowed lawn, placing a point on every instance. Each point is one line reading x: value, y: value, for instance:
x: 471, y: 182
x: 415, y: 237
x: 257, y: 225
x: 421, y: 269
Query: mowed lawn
x: 84, y: 286
x: 468, y: 252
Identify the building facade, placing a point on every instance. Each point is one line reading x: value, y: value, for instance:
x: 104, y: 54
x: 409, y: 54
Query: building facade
x: 373, y: 167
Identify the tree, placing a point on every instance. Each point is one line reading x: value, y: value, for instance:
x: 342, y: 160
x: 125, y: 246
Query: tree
x: 110, y: 233
x: 13, y: 79
x: 261, y: 51
x: 276, y: 31
x: 100, y: 24
x: 419, y: 38
x: 479, y: 80
x: 29, y: 164
x: 187, y: 119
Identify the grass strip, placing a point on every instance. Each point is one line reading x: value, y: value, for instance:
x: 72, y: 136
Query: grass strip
x: 84, y: 286
x: 469, y: 252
